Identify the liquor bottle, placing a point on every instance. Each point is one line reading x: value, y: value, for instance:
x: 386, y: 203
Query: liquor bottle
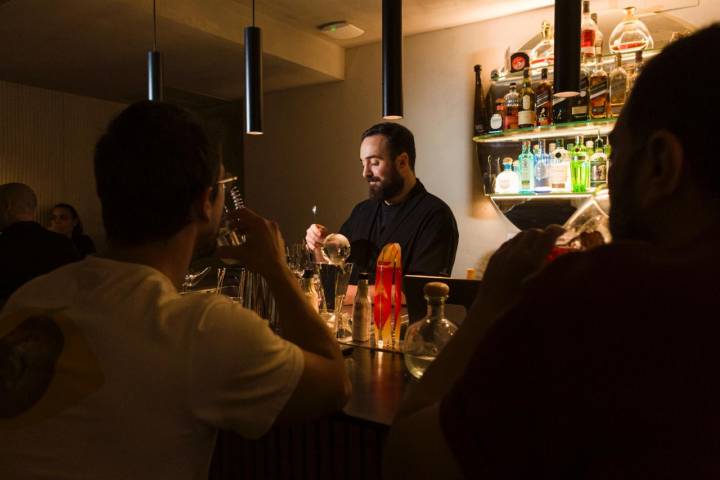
x: 527, y: 168
x: 480, y: 111
x: 589, y: 148
x: 580, y: 103
x: 496, y: 121
x: 526, y: 114
x: 579, y: 167
x: 561, y: 112
x: 543, y: 54
x: 508, y: 181
x: 598, y: 165
x: 618, y: 86
x: 426, y: 338
x: 544, y: 100
x: 599, y: 92
x: 559, y: 168
x: 512, y: 107
x: 542, y: 169
x: 599, y: 38
x: 630, y: 35
x: 588, y: 32
x: 362, y: 311
x: 637, y: 69
x: 307, y: 283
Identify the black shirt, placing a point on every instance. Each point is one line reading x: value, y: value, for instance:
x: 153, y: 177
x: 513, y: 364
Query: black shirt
x: 27, y: 250
x: 84, y: 245
x: 422, y: 224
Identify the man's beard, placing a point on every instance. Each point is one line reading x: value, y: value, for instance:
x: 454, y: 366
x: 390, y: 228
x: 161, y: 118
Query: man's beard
x: 625, y: 216
x: 206, y: 245
x: 387, y: 188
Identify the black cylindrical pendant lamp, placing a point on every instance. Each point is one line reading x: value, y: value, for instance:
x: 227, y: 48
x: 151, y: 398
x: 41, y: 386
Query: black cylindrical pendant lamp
x: 154, y: 74
x: 567, y: 48
x: 392, y: 59
x: 253, y: 81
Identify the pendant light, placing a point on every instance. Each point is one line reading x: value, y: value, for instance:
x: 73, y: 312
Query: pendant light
x: 392, y: 59
x: 154, y: 66
x: 567, y: 48
x: 253, y: 78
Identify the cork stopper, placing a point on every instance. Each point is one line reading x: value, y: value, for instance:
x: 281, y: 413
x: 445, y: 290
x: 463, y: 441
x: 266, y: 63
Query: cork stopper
x: 436, y: 289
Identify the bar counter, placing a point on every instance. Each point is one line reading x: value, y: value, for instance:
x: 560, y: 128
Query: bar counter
x: 348, y: 444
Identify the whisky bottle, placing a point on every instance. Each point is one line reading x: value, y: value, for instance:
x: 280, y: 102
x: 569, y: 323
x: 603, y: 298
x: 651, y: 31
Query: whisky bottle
x: 512, y: 106
x: 544, y: 100
x: 598, y: 36
x: 526, y: 114
x: 599, y: 92
x: 580, y: 103
x: 618, y: 86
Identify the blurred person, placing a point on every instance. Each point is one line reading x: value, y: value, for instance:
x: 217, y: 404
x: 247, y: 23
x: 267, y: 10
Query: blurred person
x: 399, y: 210
x: 601, y: 364
x: 108, y: 372
x: 65, y: 220
x: 26, y: 249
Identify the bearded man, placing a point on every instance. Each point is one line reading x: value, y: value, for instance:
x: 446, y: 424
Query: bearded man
x: 399, y: 210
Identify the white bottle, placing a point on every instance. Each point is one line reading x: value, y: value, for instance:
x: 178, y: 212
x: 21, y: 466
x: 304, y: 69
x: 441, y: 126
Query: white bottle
x: 560, y: 169
x: 508, y: 181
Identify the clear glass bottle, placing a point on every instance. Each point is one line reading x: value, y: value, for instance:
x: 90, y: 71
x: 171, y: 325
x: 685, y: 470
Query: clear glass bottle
x: 527, y: 168
x: 362, y: 311
x: 542, y: 169
x: 425, y: 339
x: 599, y: 37
x: 508, y: 181
x: 496, y: 121
x: 579, y: 167
x: 544, y: 100
x: 526, y: 114
x: 599, y: 91
x: 618, y: 86
x: 307, y: 283
x: 559, y: 168
x: 637, y: 69
x: 543, y: 54
x: 630, y: 35
x: 512, y: 107
x: 588, y: 32
x: 598, y: 166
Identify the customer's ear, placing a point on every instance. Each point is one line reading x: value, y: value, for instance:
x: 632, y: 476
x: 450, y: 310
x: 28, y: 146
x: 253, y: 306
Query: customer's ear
x: 665, y: 159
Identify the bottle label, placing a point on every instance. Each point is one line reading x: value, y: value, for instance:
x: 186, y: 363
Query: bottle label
x: 599, y: 88
x: 496, y: 122
x: 526, y: 117
x: 580, y: 110
x: 543, y: 98
x: 526, y: 102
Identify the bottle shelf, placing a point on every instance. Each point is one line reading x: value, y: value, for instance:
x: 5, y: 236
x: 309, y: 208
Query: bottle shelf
x: 540, y: 196
x: 570, y: 129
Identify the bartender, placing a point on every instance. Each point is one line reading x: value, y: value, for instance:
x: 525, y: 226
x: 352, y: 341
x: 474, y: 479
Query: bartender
x: 398, y: 210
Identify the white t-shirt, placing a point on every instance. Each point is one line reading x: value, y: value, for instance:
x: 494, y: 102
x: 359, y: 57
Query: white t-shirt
x: 175, y: 368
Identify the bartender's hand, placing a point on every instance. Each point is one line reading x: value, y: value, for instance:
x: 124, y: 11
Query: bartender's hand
x: 264, y: 248
x: 515, y: 261
x: 315, y: 236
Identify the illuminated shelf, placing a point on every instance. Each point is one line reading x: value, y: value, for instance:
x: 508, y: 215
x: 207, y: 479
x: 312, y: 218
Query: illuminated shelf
x: 540, y: 196
x: 570, y: 129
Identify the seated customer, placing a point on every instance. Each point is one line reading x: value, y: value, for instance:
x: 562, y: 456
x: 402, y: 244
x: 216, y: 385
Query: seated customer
x: 26, y: 249
x: 399, y: 210
x: 65, y: 220
x: 603, y: 364
x: 147, y: 376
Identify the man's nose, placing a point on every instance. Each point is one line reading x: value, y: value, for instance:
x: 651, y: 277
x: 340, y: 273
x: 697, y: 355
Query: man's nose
x: 366, y: 171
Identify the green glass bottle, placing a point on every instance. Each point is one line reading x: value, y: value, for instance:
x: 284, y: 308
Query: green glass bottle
x: 526, y: 162
x: 580, y: 167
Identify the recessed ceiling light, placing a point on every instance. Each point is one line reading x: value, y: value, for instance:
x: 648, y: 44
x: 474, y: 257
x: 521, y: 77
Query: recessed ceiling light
x: 340, y: 30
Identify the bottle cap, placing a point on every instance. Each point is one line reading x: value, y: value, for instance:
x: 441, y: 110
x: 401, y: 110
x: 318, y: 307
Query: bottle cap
x: 436, y: 289
x: 308, y: 274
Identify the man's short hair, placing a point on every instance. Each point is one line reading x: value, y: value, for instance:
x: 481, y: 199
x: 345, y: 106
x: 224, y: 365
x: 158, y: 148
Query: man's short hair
x: 400, y: 139
x: 21, y: 197
x: 676, y: 92
x: 150, y: 166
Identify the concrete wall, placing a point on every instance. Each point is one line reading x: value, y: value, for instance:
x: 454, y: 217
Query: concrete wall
x: 309, y: 153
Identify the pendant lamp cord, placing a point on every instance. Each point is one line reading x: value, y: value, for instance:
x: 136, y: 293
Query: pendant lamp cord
x: 253, y: 12
x: 155, y: 27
